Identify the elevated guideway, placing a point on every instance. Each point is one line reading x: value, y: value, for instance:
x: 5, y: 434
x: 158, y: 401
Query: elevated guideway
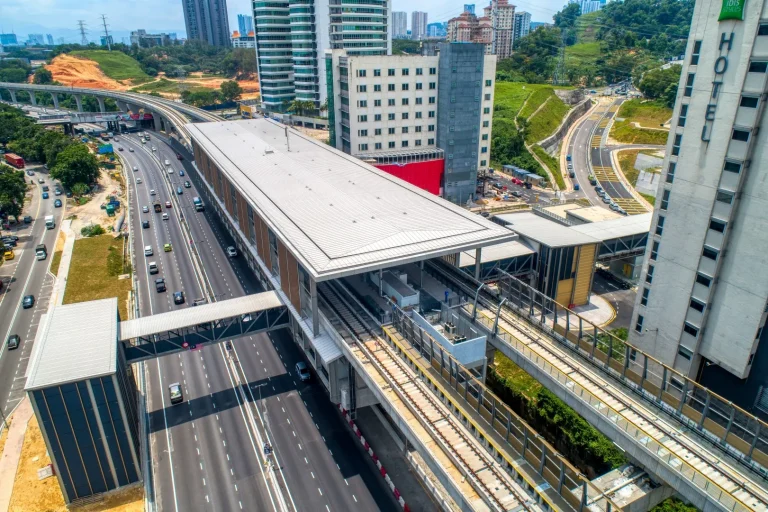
x: 709, y: 450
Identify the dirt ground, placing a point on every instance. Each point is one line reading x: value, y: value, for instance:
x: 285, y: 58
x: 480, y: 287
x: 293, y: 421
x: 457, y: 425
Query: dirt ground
x: 77, y: 72
x: 91, y: 212
x: 29, y: 493
x: 321, y: 135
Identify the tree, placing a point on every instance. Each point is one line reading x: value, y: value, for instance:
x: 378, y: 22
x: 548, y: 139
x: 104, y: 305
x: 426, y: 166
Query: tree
x: 75, y: 164
x: 79, y: 189
x: 43, y: 76
x: 12, y: 190
x: 661, y: 84
x: 301, y: 107
x: 231, y: 90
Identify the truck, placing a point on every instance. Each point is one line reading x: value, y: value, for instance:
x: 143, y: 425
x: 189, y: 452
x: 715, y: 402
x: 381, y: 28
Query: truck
x: 14, y: 160
x: 49, y: 222
x: 41, y: 251
x: 157, y: 206
x: 199, y: 207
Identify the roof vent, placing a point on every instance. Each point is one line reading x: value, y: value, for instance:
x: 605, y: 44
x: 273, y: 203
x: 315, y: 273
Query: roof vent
x: 269, y: 150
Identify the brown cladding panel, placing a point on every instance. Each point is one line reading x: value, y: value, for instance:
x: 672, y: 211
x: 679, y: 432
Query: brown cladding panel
x: 282, y: 255
x: 259, y: 227
x: 293, y: 280
x: 267, y: 256
x: 242, y: 214
x: 228, y: 196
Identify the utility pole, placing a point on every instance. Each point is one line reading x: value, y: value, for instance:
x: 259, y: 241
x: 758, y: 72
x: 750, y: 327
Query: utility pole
x: 106, y: 32
x: 83, y: 31
x: 559, y: 75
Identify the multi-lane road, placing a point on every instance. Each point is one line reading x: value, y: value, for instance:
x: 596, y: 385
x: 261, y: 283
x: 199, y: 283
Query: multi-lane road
x: 25, y: 275
x: 207, y: 452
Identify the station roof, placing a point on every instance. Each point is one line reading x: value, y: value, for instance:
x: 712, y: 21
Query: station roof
x: 336, y: 214
x: 545, y: 231
x: 188, y: 317
x: 66, y: 352
x: 497, y: 252
x: 593, y: 214
x: 630, y: 225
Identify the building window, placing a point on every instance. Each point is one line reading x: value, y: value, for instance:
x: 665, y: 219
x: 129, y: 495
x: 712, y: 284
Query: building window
x: 419, y: 100
x: 488, y: 83
x: 376, y: 72
x: 717, y: 225
x: 685, y: 353
x: 683, y: 115
x: 377, y: 145
x: 404, y: 87
x: 432, y: 100
x: 740, y: 135
x: 487, y: 97
x: 363, y: 147
x: 676, y: 144
x: 697, y: 305
x: 417, y: 142
x: 362, y: 133
x: 644, y: 298
x: 418, y: 115
x: 419, y: 86
x: 732, y: 167
x: 758, y: 66
x: 484, y: 137
x: 710, y: 253
x: 431, y: 128
x: 649, y: 274
x: 391, y: 144
x: 377, y: 131
x: 486, y: 110
x: 431, y: 113
x: 689, y: 84
x: 361, y: 73
x: 362, y: 103
x: 432, y: 86
x: 432, y: 71
x: 695, y: 53
x: 391, y: 102
x: 660, y: 225
x: 362, y: 118
x: 377, y: 103
x: 418, y: 128
x: 690, y: 329
x: 377, y: 88
x: 639, y: 324
x: 390, y: 87
x: 763, y: 29
x: 703, y: 280
x: 391, y: 130
x: 362, y: 88
x: 665, y: 200
x: 404, y: 144
x: 405, y: 115
x: 390, y: 117
x: 405, y: 101
x: 391, y: 72
x: 484, y: 149
x: 655, y: 250
x: 483, y: 163
x: 486, y: 124
x: 671, y: 172
x: 724, y: 196
x: 430, y: 141
x: 419, y: 71
x: 748, y: 102
x: 406, y: 71
x: 405, y: 129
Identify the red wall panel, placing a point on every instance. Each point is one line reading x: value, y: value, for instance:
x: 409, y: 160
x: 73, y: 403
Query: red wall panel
x: 425, y: 175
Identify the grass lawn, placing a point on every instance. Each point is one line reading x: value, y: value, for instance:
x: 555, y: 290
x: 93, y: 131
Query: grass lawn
x: 651, y: 199
x: 551, y: 162
x: 536, y: 100
x: 510, y: 96
x: 546, y: 120
x: 522, y: 381
x: 623, y: 131
x: 650, y: 114
x: 115, y: 65
x: 627, y: 164
x: 55, y: 262
x: 96, y: 263
x: 583, y: 53
x: 586, y: 27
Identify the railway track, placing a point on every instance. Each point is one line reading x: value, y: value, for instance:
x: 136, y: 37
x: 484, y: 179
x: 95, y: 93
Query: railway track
x: 670, y: 444
x: 500, y: 492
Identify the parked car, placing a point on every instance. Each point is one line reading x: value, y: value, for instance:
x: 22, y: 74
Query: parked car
x: 302, y: 371
x: 57, y: 203
x: 27, y: 219
x: 45, y: 195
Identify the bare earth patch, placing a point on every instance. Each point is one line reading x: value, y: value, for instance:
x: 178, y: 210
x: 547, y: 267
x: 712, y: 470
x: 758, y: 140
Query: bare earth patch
x: 76, y: 72
x: 91, y: 212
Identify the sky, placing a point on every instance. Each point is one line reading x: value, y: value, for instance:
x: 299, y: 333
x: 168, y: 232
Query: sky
x: 59, y: 17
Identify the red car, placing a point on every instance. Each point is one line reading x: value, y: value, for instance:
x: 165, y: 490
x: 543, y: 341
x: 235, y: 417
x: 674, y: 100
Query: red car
x: 167, y: 204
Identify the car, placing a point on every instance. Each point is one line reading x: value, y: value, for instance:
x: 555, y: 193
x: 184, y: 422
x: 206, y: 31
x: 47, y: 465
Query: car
x: 181, y: 172
x: 13, y: 341
x: 8, y: 253
x: 153, y: 267
x: 517, y: 193
x: 614, y: 207
x: 576, y: 186
x: 145, y: 224
x: 165, y: 216
x: 40, y: 180
x: 57, y: 203
x: 174, y: 390
x: 120, y: 148
x: 167, y: 204
x: 135, y: 169
x: 160, y: 285
x: 302, y: 371
x: 187, y: 184
x: 68, y: 194
x: 231, y: 252
x: 179, y: 157
x: 138, y: 181
x: 170, y: 170
x: 116, y: 139
x: 57, y: 191
x: 167, y: 247
x: 606, y: 200
x: 11, y: 237
x: 154, y: 148
x: 152, y: 192
x: 598, y: 188
x: 28, y: 301
x: 178, y: 297
x: 30, y: 173
x: 167, y: 162
x: 148, y: 250
x: 145, y: 209
x: 27, y: 219
x: 571, y: 174
x: 45, y: 195
x: 179, y: 190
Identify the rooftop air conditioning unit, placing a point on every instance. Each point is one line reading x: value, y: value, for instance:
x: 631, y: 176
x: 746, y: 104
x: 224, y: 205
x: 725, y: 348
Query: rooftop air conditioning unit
x: 450, y: 328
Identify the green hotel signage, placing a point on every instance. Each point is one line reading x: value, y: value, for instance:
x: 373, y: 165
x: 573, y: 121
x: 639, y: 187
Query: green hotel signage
x: 732, y: 10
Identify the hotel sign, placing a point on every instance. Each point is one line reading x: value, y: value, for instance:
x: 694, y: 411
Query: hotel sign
x: 720, y: 67
x: 732, y: 10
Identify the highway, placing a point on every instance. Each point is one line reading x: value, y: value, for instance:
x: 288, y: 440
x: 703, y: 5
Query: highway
x: 25, y: 275
x: 206, y: 451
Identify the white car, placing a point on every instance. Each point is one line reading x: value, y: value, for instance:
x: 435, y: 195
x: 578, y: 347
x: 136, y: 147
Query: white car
x: 138, y: 180
x: 165, y: 216
x: 170, y: 171
x: 135, y: 169
x: 154, y: 148
x: 145, y: 209
x: 167, y: 162
x: 130, y: 150
x: 231, y: 252
x: 152, y: 192
x: 148, y: 250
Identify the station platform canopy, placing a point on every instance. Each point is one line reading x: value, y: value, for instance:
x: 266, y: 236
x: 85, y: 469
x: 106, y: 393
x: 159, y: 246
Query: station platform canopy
x: 629, y: 226
x: 335, y: 213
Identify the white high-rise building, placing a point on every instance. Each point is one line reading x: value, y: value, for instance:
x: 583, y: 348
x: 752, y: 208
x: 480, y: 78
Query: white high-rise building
x: 522, y: 25
x: 703, y: 296
x: 292, y: 36
x: 399, y: 25
x: 418, y: 25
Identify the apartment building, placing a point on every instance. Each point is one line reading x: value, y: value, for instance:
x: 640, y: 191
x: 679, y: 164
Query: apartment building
x: 207, y: 20
x: 468, y: 28
x: 399, y: 25
x: 502, y: 16
x: 703, y: 296
x: 522, y: 25
x: 426, y: 119
x: 292, y: 36
x: 418, y: 25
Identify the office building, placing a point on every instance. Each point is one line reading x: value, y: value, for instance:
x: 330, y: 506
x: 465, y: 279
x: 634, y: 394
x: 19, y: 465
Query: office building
x: 588, y: 6
x: 468, y: 28
x: 106, y: 40
x: 144, y: 40
x: 49, y: 38
x: 437, y: 30
x: 291, y: 46
x: 206, y: 20
x: 522, y: 25
x: 418, y: 25
x: 399, y: 25
x: 243, y: 41
x: 502, y: 16
x: 426, y: 119
x: 35, y: 40
x: 535, y: 25
x: 244, y: 24
x: 703, y: 296
x: 470, y: 8
x: 9, y: 40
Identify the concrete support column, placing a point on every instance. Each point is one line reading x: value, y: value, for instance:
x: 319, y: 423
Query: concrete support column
x: 315, y: 311
x: 155, y: 122
x: 79, y: 101
x: 55, y: 98
x: 13, y: 96
x: 32, y: 98
x: 478, y: 260
x: 123, y: 106
x: 102, y: 108
x: 381, y: 283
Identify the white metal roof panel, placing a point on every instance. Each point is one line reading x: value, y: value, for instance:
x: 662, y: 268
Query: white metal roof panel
x: 545, y: 231
x: 616, y: 228
x: 335, y: 213
x: 497, y: 252
x: 187, y: 317
x: 593, y: 214
x: 66, y: 351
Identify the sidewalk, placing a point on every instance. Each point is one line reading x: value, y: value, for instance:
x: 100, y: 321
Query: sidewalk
x: 66, y: 258
x: 12, y: 452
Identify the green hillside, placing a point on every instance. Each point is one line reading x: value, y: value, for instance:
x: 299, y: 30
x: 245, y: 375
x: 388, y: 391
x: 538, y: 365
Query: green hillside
x: 115, y: 65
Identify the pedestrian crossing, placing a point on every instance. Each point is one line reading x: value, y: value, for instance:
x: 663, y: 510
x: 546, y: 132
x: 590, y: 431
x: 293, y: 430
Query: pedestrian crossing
x: 605, y: 174
x: 614, y: 108
x: 604, y: 123
x: 596, y: 141
x: 630, y: 205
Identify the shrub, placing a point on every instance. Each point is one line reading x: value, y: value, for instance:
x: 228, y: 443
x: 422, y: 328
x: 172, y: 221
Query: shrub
x: 92, y: 230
